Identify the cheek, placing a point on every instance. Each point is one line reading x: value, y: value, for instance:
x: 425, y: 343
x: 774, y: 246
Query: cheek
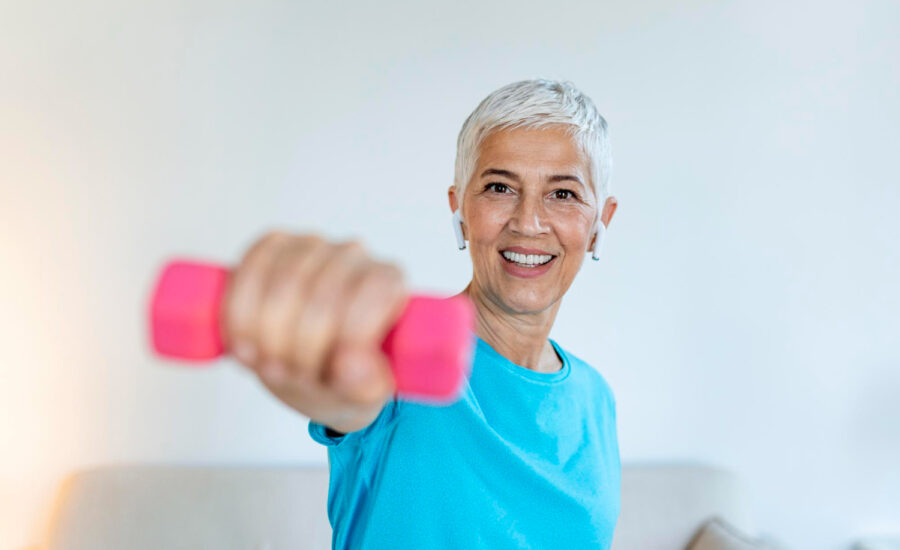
x: 576, y: 235
x: 486, y: 229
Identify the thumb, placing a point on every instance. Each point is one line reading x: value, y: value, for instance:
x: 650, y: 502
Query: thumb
x: 361, y: 375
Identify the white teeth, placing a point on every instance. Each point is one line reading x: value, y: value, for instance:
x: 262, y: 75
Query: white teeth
x: 527, y: 259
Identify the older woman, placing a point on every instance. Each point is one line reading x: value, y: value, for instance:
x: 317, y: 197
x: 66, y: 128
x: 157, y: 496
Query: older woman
x: 528, y: 455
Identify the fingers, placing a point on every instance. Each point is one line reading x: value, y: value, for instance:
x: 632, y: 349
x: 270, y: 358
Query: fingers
x: 287, y: 290
x: 360, y: 370
x: 309, y: 317
x: 243, y: 294
x: 315, y: 321
x: 375, y: 302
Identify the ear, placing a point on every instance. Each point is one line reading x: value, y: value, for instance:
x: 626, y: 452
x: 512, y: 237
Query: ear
x: 609, y: 208
x: 451, y: 194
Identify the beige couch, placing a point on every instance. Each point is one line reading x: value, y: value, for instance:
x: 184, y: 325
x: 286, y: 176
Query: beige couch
x: 144, y: 507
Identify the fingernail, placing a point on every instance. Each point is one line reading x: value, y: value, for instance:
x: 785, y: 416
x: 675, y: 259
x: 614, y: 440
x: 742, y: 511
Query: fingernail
x: 246, y: 353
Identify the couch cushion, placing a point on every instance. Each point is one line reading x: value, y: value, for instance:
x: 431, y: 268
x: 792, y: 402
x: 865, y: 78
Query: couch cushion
x: 718, y: 534
x: 663, y: 505
x: 143, y: 507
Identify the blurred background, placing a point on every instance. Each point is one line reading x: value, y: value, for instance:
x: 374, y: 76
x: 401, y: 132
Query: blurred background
x: 744, y: 311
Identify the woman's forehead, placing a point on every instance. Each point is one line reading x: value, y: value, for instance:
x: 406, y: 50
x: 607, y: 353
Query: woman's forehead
x: 532, y: 149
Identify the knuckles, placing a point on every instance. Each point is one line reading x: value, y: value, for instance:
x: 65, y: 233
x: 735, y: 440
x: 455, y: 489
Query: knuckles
x: 382, y: 278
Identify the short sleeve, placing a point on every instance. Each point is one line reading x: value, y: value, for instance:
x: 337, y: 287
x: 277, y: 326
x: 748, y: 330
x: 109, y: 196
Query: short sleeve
x: 317, y: 432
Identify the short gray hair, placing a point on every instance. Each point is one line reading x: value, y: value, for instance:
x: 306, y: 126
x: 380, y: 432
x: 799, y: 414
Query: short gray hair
x: 535, y: 104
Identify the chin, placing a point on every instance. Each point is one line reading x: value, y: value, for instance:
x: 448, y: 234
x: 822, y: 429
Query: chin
x: 526, y: 301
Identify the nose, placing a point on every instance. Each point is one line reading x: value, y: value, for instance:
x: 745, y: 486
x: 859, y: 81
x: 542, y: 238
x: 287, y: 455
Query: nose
x: 529, y: 217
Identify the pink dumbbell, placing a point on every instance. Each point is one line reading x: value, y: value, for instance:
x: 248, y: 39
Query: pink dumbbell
x: 430, y: 347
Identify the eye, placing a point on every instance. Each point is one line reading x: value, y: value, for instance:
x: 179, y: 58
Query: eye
x: 572, y: 193
x: 488, y: 186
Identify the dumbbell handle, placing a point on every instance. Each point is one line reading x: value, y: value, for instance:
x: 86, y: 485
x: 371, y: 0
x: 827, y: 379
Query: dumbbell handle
x: 429, y: 347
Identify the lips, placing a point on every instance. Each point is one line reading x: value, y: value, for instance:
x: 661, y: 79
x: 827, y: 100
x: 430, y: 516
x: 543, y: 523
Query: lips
x: 523, y: 272
x: 507, y: 260
x: 526, y: 251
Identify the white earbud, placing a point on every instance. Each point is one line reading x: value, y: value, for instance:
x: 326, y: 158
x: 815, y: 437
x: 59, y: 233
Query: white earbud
x: 600, y: 228
x: 457, y: 229
x: 601, y: 232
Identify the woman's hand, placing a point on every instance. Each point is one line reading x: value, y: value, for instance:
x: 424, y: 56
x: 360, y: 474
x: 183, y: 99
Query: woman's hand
x: 309, y: 316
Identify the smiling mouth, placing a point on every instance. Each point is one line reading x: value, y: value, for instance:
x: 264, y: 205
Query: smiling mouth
x: 526, y: 264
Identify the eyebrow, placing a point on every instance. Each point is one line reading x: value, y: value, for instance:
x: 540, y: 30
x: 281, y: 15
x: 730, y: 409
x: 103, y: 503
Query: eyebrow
x: 515, y: 177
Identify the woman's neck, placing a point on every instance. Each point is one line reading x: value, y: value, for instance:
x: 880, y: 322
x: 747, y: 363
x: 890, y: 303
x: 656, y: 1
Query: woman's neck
x: 520, y: 337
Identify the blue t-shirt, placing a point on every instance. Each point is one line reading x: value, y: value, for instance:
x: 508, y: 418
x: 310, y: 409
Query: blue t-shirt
x: 523, y: 459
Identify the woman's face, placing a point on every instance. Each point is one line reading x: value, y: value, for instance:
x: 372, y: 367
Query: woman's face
x: 531, y: 189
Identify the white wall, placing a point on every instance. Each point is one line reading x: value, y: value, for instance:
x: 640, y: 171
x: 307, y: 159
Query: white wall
x: 744, y: 311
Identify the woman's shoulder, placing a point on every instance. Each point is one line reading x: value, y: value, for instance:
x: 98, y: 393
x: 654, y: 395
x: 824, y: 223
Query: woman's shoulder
x: 586, y: 370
